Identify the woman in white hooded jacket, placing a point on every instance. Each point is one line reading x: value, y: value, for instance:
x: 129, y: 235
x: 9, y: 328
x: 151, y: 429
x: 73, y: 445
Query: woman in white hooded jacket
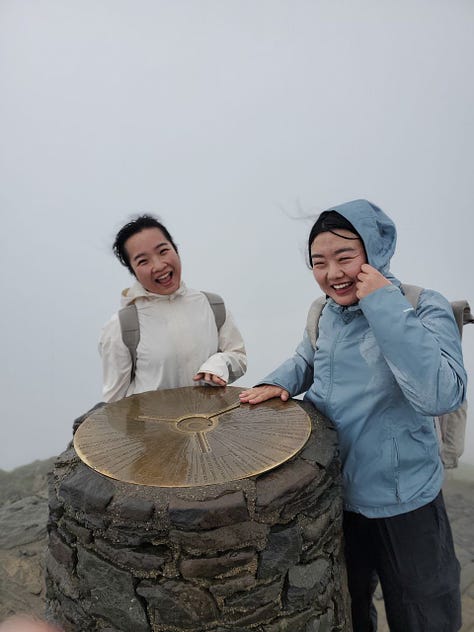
x: 180, y: 344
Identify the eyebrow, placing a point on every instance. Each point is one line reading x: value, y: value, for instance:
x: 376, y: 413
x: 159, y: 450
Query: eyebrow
x: 339, y: 251
x: 143, y: 254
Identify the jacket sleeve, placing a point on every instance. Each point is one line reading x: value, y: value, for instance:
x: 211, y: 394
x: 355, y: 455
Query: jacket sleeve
x: 230, y: 361
x: 116, y: 362
x: 295, y: 375
x: 422, y: 347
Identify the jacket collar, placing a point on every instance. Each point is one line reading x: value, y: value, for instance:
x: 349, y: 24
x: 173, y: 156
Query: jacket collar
x: 136, y: 291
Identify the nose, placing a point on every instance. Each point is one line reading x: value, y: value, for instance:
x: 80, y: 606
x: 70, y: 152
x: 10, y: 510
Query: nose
x: 334, y: 271
x: 157, y: 264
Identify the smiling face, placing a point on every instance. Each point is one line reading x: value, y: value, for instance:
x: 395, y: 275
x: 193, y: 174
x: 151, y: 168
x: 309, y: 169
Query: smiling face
x: 154, y: 261
x: 336, y: 262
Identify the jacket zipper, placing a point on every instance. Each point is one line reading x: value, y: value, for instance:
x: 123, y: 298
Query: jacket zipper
x: 331, y: 366
x: 396, y: 462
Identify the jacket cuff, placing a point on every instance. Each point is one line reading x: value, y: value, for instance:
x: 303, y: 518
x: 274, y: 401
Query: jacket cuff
x: 215, y: 365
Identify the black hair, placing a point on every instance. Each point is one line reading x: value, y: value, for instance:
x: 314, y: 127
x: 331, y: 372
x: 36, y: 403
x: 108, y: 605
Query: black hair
x: 132, y: 228
x: 330, y: 222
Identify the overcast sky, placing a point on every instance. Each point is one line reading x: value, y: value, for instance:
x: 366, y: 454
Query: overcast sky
x: 231, y: 120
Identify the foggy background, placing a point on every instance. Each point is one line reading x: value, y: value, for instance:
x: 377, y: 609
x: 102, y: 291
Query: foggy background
x: 228, y: 120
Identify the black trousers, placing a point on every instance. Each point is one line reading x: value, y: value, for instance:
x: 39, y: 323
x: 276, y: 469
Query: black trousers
x: 413, y: 557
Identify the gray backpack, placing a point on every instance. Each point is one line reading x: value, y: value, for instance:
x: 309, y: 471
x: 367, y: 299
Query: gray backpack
x: 452, y: 426
x: 130, y: 327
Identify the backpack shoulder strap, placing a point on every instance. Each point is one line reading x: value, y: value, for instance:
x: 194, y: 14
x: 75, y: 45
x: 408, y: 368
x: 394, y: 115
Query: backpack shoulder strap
x: 130, y: 328
x: 412, y: 293
x: 218, y: 307
x: 461, y: 309
x: 462, y: 314
x: 312, y: 322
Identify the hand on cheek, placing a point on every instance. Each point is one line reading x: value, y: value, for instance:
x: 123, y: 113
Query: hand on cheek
x: 368, y: 280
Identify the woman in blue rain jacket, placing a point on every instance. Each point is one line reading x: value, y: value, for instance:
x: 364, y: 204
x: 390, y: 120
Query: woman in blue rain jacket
x: 381, y: 372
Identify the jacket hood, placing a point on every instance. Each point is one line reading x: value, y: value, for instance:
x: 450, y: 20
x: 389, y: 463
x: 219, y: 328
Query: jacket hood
x: 137, y: 291
x: 376, y: 229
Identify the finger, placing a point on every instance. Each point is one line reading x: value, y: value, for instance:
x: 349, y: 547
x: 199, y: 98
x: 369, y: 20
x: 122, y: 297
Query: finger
x: 251, y: 396
x: 268, y: 393
x: 250, y: 391
x: 284, y: 396
x: 208, y: 377
x: 262, y: 395
x: 198, y: 376
x: 257, y: 399
x: 218, y: 380
x: 246, y: 395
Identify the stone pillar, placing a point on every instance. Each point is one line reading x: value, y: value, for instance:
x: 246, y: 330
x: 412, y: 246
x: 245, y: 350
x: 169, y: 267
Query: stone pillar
x: 262, y: 553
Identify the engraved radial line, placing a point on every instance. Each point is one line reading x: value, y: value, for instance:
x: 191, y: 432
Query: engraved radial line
x: 225, y: 410
x: 150, y: 418
x: 203, y: 442
x: 125, y: 467
x: 176, y: 464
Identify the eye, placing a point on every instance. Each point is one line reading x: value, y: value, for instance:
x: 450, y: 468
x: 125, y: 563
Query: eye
x: 141, y: 262
x: 164, y: 251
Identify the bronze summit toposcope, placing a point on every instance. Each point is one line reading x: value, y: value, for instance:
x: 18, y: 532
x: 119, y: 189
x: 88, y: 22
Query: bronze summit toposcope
x: 189, y: 437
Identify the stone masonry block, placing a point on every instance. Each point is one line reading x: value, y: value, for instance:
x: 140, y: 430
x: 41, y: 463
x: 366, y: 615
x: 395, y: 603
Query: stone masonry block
x: 282, y: 551
x: 59, y: 575
x: 282, y: 484
x: 232, y: 537
x: 80, y: 533
x: 194, y: 515
x: 86, y: 490
x: 63, y: 553
x: 307, y: 501
x: 142, y: 559
x: 305, y: 581
x: 260, y: 615
x: 329, y: 494
x: 178, y: 604
x: 130, y: 508
x: 112, y: 593
x: 251, y: 600
x: 214, y: 566
x: 224, y: 588
x: 301, y: 622
x: 131, y: 536
x: 69, y: 613
x: 55, y: 505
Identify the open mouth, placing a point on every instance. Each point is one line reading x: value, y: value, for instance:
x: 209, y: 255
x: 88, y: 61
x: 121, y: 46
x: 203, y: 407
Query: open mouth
x: 340, y: 287
x: 164, y: 279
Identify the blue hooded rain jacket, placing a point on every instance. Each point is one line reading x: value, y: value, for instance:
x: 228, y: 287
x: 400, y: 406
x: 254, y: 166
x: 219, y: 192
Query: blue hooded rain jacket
x: 381, y: 372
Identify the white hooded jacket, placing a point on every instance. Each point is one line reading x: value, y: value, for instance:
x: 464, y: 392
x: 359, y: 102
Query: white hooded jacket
x: 178, y: 338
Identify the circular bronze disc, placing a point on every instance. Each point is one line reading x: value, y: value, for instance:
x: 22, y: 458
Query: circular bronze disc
x: 192, y: 436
